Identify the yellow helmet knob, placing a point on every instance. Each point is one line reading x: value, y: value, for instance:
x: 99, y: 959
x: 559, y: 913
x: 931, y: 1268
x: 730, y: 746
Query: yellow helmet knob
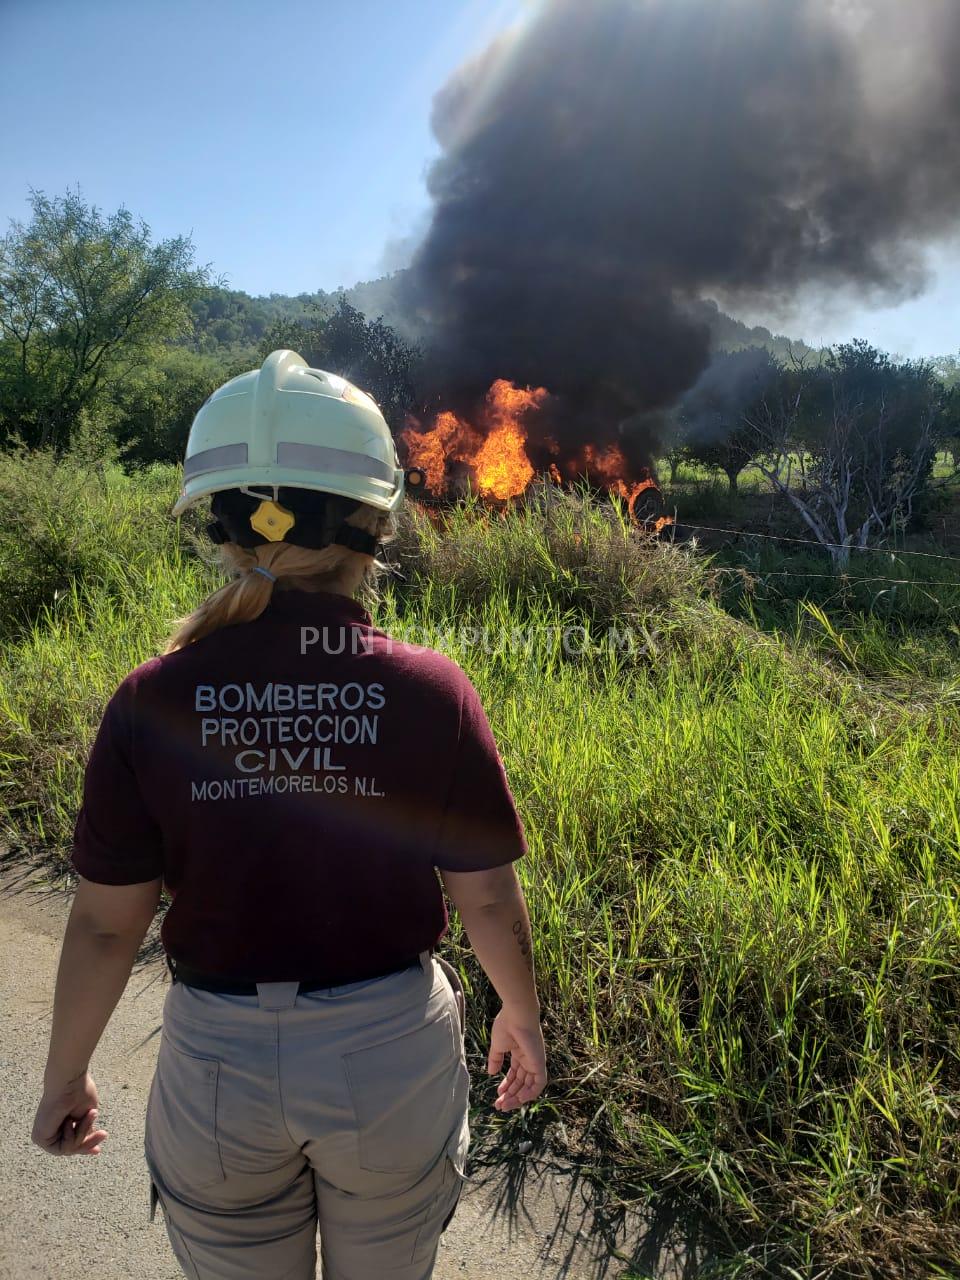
x: 272, y: 521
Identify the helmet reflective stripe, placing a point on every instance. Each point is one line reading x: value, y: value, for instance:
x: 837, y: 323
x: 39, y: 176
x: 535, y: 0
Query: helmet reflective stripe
x: 288, y: 425
x: 320, y: 457
x: 223, y: 455
x: 304, y: 457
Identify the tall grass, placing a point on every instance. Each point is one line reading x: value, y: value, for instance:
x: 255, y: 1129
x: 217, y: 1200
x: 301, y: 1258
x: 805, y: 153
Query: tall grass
x: 912, y: 589
x: 744, y: 879
x: 743, y: 872
x: 69, y: 522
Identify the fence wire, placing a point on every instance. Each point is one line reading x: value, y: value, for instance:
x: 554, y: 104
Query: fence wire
x: 813, y: 542
x: 843, y: 578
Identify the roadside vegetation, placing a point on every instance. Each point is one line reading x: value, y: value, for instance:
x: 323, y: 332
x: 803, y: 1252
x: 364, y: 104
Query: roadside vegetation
x: 744, y: 840
x: 734, y: 746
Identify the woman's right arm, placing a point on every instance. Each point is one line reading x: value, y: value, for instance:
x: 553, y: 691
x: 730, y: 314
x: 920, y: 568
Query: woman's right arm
x: 494, y: 915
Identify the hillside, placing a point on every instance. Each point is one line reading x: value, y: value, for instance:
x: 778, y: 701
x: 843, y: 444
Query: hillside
x: 229, y: 321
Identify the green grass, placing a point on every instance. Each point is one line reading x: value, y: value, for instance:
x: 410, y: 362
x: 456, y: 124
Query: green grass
x: 889, y: 594
x: 743, y: 872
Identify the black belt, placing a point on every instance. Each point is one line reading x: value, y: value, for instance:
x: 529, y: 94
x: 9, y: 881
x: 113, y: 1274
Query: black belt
x: 229, y: 987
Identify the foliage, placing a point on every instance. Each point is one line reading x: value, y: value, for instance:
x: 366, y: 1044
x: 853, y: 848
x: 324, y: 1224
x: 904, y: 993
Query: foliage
x: 84, y: 300
x: 865, y: 430
x: 158, y: 407
x: 230, y: 323
x: 99, y: 324
x: 947, y: 369
x: 716, y: 413
x: 560, y: 550
x: 367, y: 352
x: 728, y: 334
x: 71, y: 523
x: 915, y: 597
x: 948, y: 422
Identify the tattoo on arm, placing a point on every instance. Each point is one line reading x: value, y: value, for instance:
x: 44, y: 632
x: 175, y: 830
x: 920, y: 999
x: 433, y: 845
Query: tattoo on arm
x: 522, y: 935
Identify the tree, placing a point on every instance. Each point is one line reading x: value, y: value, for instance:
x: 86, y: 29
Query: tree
x: 869, y: 429
x: 157, y: 408
x: 367, y: 352
x: 715, y: 413
x: 675, y: 450
x: 730, y: 452
x: 83, y: 298
x: 947, y: 369
x: 948, y: 424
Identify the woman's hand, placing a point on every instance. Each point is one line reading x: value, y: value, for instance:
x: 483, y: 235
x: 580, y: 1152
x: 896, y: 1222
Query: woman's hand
x: 517, y: 1033
x: 66, y: 1122
x: 106, y: 927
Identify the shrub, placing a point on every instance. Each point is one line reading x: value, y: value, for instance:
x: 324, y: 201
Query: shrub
x: 561, y: 548
x: 67, y: 521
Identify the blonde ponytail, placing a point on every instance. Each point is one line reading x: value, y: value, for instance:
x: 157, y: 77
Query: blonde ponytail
x: 248, y: 594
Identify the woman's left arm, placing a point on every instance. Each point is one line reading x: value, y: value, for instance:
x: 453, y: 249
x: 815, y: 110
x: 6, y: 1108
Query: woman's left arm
x: 106, y: 927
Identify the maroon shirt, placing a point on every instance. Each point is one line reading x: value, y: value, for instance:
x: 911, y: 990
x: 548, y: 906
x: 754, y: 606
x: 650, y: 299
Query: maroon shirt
x: 295, y: 781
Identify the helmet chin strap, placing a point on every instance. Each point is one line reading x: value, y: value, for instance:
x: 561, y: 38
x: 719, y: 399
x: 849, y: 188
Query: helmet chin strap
x: 304, y: 519
x: 354, y: 539
x: 274, y: 496
x: 347, y: 535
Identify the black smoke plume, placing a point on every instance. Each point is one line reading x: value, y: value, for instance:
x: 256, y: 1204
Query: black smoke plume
x: 611, y: 163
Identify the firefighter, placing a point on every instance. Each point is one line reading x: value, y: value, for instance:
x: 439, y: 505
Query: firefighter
x: 304, y: 788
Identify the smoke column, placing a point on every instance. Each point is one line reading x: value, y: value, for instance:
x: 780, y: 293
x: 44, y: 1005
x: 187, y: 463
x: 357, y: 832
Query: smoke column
x: 612, y: 162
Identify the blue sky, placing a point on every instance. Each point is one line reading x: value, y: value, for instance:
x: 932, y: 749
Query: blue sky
x: 290, y: 140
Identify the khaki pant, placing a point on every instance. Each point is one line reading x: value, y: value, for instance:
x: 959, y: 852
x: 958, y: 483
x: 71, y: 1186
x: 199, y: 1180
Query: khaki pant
x: 345, y: 1108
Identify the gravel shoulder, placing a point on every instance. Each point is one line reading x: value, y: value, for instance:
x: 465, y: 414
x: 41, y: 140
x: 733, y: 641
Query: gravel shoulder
x: 67, y: 1219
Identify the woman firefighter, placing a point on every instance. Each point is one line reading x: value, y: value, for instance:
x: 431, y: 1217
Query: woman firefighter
x: 296, y: 780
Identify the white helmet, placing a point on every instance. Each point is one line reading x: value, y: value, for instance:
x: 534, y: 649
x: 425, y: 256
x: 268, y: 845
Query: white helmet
x: 287, y: 424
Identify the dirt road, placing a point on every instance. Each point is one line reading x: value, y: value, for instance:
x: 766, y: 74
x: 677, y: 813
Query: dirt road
x: 66, y: 1219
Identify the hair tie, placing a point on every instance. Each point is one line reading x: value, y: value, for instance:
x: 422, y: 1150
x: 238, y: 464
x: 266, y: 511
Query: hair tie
x: 266, y: 572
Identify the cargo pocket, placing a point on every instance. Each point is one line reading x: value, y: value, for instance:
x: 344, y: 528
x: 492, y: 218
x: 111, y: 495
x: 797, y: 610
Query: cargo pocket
x: 177, y: 1242
x: 458, y: 1146
x: 441, y: 1211
x: 401, y: 1095
x: 457, y: 1189
x: 181, y: 1128
x: 456, y: 1158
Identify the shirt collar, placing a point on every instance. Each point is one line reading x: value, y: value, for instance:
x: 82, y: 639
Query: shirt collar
x: 324, y: 606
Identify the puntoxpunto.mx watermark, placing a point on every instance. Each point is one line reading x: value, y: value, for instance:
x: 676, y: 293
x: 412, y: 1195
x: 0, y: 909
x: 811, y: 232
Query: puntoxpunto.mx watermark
x: 572, y: 641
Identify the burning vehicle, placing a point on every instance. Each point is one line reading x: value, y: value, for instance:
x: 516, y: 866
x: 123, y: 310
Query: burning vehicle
x: 498, y: 453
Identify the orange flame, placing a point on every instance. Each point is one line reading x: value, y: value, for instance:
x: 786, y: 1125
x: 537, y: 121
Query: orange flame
x: 606, y: 465
x: 496, y: 455
x: 631, y: 492
x: 449, y: 437
x: 502, y: 466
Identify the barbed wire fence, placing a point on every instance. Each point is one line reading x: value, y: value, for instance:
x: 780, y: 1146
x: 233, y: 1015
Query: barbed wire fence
x: 841, y: 577
x: 813, y: 542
